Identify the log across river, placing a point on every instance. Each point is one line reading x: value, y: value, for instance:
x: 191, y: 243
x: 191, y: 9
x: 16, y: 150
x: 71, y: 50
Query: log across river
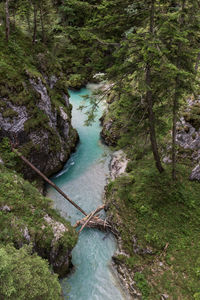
x: 83, y: 179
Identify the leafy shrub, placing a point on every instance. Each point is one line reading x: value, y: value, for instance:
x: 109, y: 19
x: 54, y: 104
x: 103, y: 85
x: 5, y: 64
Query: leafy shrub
x: 25, y: 276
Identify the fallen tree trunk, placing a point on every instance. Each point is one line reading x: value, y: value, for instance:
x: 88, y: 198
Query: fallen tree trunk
x: 90, y: 220
x: 90, y: 216
x: 49, y: 181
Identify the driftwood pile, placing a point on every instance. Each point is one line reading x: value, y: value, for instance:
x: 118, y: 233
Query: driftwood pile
x: 93, y: 221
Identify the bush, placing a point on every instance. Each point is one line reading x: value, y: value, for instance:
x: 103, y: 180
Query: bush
x: 24, y: 276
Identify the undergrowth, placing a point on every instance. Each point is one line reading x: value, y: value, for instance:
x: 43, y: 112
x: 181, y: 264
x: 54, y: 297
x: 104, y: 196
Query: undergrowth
x: 164, y: 216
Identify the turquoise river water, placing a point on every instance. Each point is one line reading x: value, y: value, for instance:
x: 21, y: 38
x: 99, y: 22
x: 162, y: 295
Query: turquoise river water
x: 83, y: 179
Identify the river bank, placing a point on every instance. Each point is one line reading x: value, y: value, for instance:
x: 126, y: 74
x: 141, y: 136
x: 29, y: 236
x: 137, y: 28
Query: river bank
x: 158, y: 231
x: 117, y: 167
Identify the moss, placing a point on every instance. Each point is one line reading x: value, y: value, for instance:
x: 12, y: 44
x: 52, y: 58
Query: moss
x: 193, y: 116
x: 54, y: 141
x: 9, y: 113
x: 9, y: 158
x: 76, y: 81
x: 38, y: 120
x: 61, y: 86
x: 27, y: 210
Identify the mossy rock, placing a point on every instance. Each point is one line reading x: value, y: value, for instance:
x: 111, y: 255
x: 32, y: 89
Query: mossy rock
x: 26, y: 217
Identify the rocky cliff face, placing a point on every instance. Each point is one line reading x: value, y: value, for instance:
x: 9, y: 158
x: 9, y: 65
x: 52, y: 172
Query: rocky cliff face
x: 188, y: 136
x: 36, y: 117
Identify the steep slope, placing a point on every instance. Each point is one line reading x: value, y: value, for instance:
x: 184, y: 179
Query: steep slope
x: 26, y: 217
x: 35, y: 113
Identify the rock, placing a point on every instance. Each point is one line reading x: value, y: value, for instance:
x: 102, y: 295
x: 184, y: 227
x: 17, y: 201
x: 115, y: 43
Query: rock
x: 58, y: 228
x: 63, y: 114
x: 107, y: 133
x: 26, y: 234
x: 164, y: 297
x: 45, y: 101
x: 188, y: 137
x: 61, y: 261
x: 99, y: 76
x: 167, y: 160
x: 195, y: 175
x: 44, y: 134
x: 118, y: 164
x: 32, y: 221
x: 52, y: 81
x: 140, y: 251
x: 14, y: 125
x: 5, y: 208
x: 66, y: 100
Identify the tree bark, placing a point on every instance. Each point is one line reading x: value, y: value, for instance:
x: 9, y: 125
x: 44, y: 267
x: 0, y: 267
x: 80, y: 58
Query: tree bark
x: 7, y: 20
x: 42, y: 24
x: 48, y: 181
x: 197, y: 62
x: 149, y: 101
x: 28, y: 22
x: 35, y: 24
x: 174, y: 113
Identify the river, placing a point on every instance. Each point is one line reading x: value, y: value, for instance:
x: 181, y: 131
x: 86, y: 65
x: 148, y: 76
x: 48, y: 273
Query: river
x: 83, y: 179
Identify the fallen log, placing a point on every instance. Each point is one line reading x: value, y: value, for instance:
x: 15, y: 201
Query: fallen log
x: 96, y: 223
x: 48, y: 181
x: 91, y: 221
x: 90, y: 216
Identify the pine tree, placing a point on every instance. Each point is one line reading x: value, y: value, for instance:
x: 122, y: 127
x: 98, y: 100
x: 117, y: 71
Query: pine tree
x: 179, y: 35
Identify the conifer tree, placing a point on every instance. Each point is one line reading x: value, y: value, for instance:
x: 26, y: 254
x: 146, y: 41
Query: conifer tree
x: 179, y: 35
x: 7, y: 19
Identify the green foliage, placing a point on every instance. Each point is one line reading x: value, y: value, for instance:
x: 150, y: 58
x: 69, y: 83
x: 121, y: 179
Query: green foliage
x: 161, y: 214
x: 28, y: 209
x: 193, y: 116
x: 142, y: 285
x: 9, y: 113
x: 25, y: 276
x: 75, y: 80
x: 9, y: 158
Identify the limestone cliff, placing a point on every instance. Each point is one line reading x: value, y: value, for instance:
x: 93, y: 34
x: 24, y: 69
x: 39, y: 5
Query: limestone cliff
x: 36, y: 116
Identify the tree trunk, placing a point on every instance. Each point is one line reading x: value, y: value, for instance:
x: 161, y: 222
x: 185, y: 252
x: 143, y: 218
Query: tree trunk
x: 28, y: 22
x: 174, y: 114
x: 35, y: 24
x: 42, y: 24
x: 7, y: 20
x: 149, y: 101
x: 14, y: 18
x: 197, y: 62
x: 153, y: 139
